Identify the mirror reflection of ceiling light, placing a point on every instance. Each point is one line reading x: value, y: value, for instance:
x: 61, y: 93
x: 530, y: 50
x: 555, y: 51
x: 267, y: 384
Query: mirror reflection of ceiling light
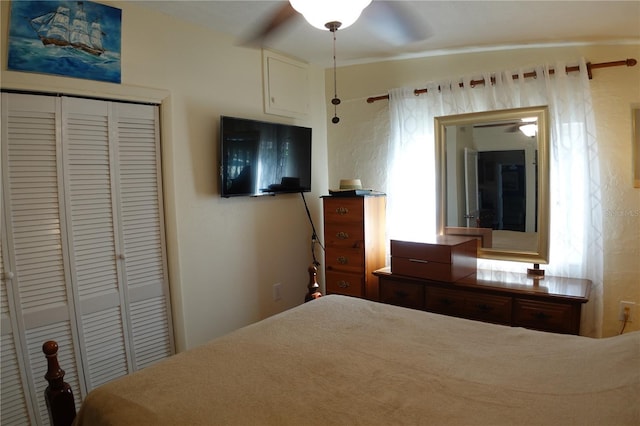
x: 321, y: 13
x: 529, y: 130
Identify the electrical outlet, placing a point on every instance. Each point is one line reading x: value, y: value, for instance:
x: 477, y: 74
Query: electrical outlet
x: 277, y: 295
x: 630, y: 306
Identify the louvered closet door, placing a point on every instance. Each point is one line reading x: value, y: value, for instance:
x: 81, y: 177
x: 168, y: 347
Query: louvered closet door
x: 14, y: 408
x: 139, y: 187
x: 94, y: 253
x: 40, y: 289
x: 114, y: 205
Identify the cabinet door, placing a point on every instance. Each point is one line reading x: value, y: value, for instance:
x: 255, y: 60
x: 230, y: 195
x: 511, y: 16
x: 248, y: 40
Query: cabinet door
x: 36, y: 241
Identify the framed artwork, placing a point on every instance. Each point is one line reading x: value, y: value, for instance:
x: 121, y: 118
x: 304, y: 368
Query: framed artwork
x: 78, y: 39
x: 635, y: 148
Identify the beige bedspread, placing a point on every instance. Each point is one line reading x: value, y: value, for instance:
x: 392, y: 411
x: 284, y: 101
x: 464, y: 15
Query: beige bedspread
x: 346, y: 361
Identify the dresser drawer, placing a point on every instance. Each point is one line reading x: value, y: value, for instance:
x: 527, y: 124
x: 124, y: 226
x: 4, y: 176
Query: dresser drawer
x: 546, y: 316
x: 344, y: 259
x: 343, y: 209
x: 344, y: 235
x: 345, y: 283
x: 488, y: 308
x: 468, y: 304
x: 402, y: 293
x: 445, y: 301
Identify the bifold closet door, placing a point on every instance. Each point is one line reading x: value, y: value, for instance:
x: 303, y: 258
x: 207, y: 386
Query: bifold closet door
x: 39, y: 292
x: 141, y: 232
x: 14, y: 407
x: 95, y: 256
x: 84, y: 242
x: 114, y: 204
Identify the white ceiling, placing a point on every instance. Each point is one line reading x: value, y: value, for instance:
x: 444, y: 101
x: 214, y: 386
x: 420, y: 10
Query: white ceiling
x: 453, y: 26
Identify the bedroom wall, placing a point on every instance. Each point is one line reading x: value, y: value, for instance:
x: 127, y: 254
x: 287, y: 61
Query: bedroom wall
x: 357, y: 145
x: 224, y: 254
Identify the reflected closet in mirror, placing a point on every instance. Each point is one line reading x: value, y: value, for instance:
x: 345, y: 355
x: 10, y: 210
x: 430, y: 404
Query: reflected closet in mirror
x: 492, y: 179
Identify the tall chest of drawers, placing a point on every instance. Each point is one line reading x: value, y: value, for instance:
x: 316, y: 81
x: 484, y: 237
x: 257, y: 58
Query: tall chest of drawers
x: 354, y: 236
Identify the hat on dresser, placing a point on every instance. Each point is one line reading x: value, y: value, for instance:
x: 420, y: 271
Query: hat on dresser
x: 348, y: 184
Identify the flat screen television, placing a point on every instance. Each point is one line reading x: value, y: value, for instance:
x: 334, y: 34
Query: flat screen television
x: 262, y: 158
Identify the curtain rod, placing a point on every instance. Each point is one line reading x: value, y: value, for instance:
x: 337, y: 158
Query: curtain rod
x: 628, y: 62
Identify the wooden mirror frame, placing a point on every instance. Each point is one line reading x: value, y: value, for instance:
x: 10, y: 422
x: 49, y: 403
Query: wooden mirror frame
x: 541, y: 253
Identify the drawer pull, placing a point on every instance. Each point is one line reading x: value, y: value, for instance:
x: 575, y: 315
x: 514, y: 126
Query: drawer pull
x: 342, y: 211
x: 418, y: 261
x: 483, y: 307
x: 343, y: 260
x: 446, y: 302
x: 342, y: 235
x: 344, y: 284
x: 541, y: 316
x: 401, y: 294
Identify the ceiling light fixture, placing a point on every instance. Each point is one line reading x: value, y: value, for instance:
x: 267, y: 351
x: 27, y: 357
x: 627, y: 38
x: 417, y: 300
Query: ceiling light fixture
x: 320, y: 13
x: 331, y: 15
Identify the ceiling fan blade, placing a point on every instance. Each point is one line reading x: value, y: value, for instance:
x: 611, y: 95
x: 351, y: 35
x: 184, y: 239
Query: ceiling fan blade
x: 274, y: 24
x: 506, y: 123
x: 396, y: 23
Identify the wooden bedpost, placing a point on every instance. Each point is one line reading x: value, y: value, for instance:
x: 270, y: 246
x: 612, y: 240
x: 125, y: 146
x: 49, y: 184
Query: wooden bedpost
x: 58, y: 395
x: 314, y: 288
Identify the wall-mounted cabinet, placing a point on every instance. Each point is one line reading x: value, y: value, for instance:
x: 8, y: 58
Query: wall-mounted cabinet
x: 286, y: 85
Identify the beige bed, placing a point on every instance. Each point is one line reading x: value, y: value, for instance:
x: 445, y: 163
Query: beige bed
x: 347, y: 361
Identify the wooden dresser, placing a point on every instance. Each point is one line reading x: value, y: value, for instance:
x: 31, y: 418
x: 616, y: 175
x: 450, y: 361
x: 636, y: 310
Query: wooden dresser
x: 550, y: 304
x: 354, y: 235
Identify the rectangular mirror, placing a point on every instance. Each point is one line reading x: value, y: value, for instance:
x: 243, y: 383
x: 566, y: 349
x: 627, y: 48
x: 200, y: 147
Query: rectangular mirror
x: 492, y: 178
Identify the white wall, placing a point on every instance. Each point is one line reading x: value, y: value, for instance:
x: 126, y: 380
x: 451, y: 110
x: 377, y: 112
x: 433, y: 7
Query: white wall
x: 224, y: 254
x: 358, y: 144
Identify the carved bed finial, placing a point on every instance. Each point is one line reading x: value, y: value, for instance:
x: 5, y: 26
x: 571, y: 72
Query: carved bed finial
x: 58, y: 395
x: 314, y: 288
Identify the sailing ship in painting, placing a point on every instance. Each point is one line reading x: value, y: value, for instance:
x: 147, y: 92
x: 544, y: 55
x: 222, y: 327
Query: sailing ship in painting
x: 57, y: 28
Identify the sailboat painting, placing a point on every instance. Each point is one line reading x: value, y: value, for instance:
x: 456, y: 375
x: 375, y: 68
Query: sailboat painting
x: 78, y: 39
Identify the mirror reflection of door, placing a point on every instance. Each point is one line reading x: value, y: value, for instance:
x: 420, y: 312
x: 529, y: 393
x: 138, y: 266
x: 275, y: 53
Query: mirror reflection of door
x: 502, y: 190
x: 471, y: 188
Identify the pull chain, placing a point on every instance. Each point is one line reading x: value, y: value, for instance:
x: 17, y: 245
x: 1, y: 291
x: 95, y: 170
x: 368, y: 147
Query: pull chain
x: 333, y: 27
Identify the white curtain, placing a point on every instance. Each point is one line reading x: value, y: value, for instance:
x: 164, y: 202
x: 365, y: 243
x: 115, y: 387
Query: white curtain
x: 576, y: 247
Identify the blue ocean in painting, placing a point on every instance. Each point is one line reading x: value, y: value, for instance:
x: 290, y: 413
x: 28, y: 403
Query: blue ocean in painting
x: 32, y: 55
x: 42, y: 39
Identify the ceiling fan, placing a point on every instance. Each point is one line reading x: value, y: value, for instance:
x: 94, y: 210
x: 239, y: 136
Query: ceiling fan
x: 391, y: 19
x: 528, y: 126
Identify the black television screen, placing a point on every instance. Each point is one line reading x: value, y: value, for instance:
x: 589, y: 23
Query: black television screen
x: 263, y: 158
